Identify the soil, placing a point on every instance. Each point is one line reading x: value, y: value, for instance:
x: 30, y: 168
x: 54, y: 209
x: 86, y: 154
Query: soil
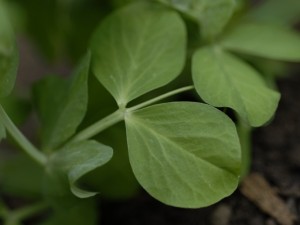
x: 276, y: 158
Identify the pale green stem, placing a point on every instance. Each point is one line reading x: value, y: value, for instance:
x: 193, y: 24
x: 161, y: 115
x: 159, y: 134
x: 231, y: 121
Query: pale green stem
x: 244, y: 132
x: 161, y: 97
x: 119, y: 115
x: 99, y: 126
x: 24, y: 143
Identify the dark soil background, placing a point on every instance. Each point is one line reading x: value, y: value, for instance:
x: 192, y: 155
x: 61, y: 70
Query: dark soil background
x: 276, y: 157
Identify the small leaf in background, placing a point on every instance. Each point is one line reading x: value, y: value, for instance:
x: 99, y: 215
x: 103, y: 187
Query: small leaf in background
x: 285, y: 12
x: 215, y: 16
x: 211, y: 15
x: 20, y: 176
x: 184, y: 154
x: 8, y: 54
x: 224, y: 80
x: 62, y: 105
x: 264, y: 40
x: 78, y: 159
x: 138, y: 49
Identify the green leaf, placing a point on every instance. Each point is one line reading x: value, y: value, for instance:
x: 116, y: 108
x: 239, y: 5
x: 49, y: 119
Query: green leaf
x: 276, y: 11
x: 211, y: 15
x: 137, y: 49
x: 78, y: 159
x: 224, y: 80
x: 8, y: 54
x: 264, y: 40
x: 62, y: 105
x: 184, y: 154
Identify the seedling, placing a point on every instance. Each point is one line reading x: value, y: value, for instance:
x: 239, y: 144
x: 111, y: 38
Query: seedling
x: 183, y: 153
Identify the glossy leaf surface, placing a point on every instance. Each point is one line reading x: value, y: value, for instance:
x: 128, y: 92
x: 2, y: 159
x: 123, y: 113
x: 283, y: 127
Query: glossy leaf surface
x: 137, y: 49
x: 224, y: 80
x: 62, y: 111
x: 264, y: 40
x: 184, y: 154
x: 79, y: 158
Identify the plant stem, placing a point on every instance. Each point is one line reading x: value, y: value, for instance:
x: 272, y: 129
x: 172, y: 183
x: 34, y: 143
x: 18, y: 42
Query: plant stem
x: 23, y: 142
x: 99, y: 126
x: 244, y: 132
x: 151, y: 101
x: 118, y: 116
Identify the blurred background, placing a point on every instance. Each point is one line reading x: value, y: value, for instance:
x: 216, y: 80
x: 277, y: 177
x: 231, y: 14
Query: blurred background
x: 52, y: 36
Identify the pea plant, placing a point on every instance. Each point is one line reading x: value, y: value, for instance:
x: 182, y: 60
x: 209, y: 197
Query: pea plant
x: 204, y: 56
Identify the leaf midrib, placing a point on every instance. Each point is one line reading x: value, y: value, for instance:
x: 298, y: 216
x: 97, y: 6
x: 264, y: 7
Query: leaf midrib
x: 133, y: 56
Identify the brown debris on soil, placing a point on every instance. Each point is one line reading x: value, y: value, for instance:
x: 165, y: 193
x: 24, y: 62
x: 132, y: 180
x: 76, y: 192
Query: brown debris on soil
x: 258, y: 190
